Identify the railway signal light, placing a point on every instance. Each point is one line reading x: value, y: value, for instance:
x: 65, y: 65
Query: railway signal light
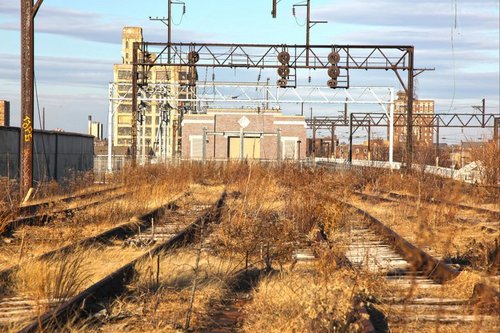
x: 282, y: 82
x: 193, y: 57
x: 332, y: 83
x: 283, y: 71
x: 334, y: 57
x: 333, y: 72
x: 284, y: 57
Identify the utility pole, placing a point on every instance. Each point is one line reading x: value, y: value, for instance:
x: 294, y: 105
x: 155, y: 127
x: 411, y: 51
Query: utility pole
x: 481, y: 108
x: 28, y: 13
x: 309, y: 25
x: 409, y: 111
x: 168, y: 22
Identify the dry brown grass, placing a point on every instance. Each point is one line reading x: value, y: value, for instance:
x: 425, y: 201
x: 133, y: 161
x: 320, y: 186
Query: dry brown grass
x: 271, y: 210
x: 160, y: 304
x: 316, y: 297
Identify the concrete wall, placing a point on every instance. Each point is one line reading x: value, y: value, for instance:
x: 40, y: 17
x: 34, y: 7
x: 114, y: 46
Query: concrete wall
x: 57, y: 155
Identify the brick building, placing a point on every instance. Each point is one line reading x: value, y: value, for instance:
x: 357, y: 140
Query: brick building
x: 421, y: 135
x: 266, y: 134
x: 4, y: 113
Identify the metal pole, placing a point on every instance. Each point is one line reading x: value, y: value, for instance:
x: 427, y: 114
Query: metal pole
x: 332, y: 146
x: 143, y: 135
x: 391, y: 130
x: 169, y: 26
x: 298, y: 150
x: 242, y: 144
x: 308, y: 28
x: 110, y: 128
x: 43, y: 118
x: 350, y: 138
x: 369, y: 141
x: 409, y: 111
x: 313, y: 148
x: 204, y: 145
x: 437, y: 142
x: 267, y: 94
x: 484, y: 111
x: 496, y: 126
x: 278, y: 145
x: 134, y: 104
x: 27, y: 95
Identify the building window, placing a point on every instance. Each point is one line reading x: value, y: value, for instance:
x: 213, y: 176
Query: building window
x: 124, y: 108
x: 124, y: 130
x: 125, y: 75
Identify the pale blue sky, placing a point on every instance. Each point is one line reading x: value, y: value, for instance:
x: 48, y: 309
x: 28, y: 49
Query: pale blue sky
x: 78, y: 41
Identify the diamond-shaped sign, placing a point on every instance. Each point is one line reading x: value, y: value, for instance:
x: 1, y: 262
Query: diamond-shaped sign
x: 244, y: 122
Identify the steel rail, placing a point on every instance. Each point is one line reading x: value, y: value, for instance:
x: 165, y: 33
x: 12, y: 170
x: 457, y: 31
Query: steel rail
x: 8, y: 228
x: 90, y: 300
x: 435, y: 269
x: 31, y: 208
x: 132, y: 227
x: 446, y: 202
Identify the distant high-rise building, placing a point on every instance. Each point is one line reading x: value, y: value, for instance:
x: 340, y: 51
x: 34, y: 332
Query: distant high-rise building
x: 4, y: 113
x: 421, y: 134
x: 95, y: 129
x: 167, y: 110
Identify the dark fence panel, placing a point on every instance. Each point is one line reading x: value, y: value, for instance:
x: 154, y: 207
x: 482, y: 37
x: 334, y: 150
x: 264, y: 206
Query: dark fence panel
x: 56, y: 155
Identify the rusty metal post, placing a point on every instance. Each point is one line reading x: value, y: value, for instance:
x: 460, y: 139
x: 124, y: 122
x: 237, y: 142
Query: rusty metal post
x: 437, y: 142
x: 135, y: 50
x: 27, y: 95
x: 496, y: 128
x: 278, y: 145
x: 483, y: 109
x: 313, y: 146
x: 351, y: 118
x: 369, y: 138
x: 332, y: 145
x: 169, y: 41
x: 274, y: 9
x: 409, y: 110
x: 308, y: 29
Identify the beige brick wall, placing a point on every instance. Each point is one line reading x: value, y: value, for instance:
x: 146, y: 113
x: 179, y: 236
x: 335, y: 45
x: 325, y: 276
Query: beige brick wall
x: 226, y: 123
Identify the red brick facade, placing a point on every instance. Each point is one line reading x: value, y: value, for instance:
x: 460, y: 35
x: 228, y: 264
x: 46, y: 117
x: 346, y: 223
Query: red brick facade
x: 260, y: 134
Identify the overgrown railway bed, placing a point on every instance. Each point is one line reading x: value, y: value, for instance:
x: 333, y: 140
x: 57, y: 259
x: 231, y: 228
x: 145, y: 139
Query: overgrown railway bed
x: 462, y: 235
x: 286, y: 251
x: 163, y: 228
x: 415, y: 298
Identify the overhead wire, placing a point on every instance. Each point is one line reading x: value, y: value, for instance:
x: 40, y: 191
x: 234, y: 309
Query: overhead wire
x: 452, y: 39
x: 44, y: 151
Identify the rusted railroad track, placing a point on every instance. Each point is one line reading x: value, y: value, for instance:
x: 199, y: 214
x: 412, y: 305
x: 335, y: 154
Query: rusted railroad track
x: 164, y: 237
x: 33, y: 208
x: 8, y: 228
x: 24, y: 307
x: 482, y: 221
x: 414, y: 299
x: 396, y: 196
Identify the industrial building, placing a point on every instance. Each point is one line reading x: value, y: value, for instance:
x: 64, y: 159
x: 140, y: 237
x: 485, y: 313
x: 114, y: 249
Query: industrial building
x: 422, y: 135
x: 225, y: 134
x: 95, y: 129
x: 4, y: 113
